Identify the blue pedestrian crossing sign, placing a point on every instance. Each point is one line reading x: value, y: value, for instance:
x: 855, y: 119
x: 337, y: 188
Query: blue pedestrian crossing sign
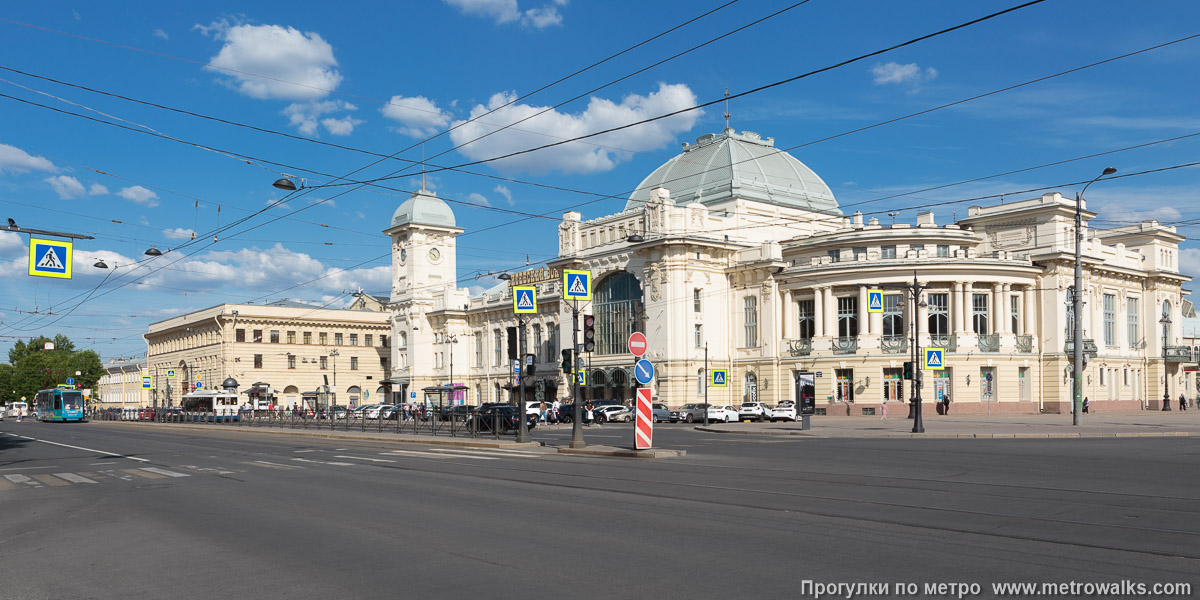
x: 874, y: 301
x: 582, y: 377
x: 577, y: 285
x: 525, y: 299
x: 147, y: 382
x: 50, y: 258
x: 643, y: 371
x: 935, y: 359
x: 720, y: 378
x: 170, y: 372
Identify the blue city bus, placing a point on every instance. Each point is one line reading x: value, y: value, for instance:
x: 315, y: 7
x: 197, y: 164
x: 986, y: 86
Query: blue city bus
x: 60, y: 404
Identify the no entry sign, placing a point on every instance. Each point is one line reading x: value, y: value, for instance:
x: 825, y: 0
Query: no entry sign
x: 637, y: 343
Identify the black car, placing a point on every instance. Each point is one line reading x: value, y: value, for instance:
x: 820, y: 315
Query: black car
x: 458, y: 412
x: 503, y: 418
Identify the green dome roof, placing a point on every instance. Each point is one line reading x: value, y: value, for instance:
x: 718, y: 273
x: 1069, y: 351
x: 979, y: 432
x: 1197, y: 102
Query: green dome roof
x: 720, y: 167
x: 424, y: 208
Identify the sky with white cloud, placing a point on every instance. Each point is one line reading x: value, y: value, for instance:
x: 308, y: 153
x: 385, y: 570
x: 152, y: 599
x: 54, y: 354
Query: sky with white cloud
x: 207, y: 104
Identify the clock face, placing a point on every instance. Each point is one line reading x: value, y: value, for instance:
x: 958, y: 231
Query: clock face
x: 403, y: 255
x: 434, y: 255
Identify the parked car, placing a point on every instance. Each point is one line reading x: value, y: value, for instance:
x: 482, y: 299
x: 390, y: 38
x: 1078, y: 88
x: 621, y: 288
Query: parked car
x: 725, y: 414
x: 458, y: 412
x: 689, y: 413
x: 660, y: 412
x: 784, y: 411
x: 606, y: 412
x: 755, y: 411
x: 372, y: 411
x: 625, y: 415
x: 503, y: 418
x: 169, y: 415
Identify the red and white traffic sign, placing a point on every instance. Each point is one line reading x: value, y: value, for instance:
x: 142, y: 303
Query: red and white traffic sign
x: 637, y: 343
x: 643, y: 436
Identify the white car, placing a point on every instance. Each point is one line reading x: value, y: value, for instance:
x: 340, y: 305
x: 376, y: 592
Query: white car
x: 371, y: 411
x: 785, y: 411
x: 725, y: 414
x: 755, y: 411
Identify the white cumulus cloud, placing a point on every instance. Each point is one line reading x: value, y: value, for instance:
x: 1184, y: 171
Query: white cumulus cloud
x: 162, y: 34
x: 139, y: 195
x: 508, y: 11
x: 478, y: 199
x: 97, y: 190
x: 895, y: 73
x: 418, y: 115
x: 16, y: 160
x: 597, y: 154
x: 503, y: 191
x: 179, y: 233
x: 541, y: 18
x: 271, y: 61
x: 66, y: 186
x: 305, y: 116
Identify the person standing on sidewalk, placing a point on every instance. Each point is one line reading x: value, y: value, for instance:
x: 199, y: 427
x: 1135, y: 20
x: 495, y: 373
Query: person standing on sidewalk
x: 946, y: 404
x: 1182, y: 402
x: 883, y: 411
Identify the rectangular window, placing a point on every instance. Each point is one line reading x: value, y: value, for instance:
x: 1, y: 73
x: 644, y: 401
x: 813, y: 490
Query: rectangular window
x: 1110, y: 320
x: 808, y: 319
x: 383, y: 341
x: 537, y: 344
x: 860, y: 252
x: 498, y: 347
x: 368, y: 340
x: 337, y: 339
x: 478, y: 348
x: 354, y: 339
x: 291, y: 361
x: 324, y: 362
x: 835, y: 255
x: 291, y: 337
x: 257, y: 336
x: 1014, y: 312
x: 1131, y: 308
x: 979, y: 313
x: 257, y: 361
x: 239, y: 335
x: 552, y: 341
x: 323, y: 338
x: 307, y: 337
x: 274, y: 336
x: 943, y: 251
x: 847, y: 316
x: 696, y: 300
x: 353, y: 363
x: 916, y: 247
x: 383, y: 363
x: 887, y: 251
x: 699, y: 336
x: 893, y: 316
x: 751, y: 319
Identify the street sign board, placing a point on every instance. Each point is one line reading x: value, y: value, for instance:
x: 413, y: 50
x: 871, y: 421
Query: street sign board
x: 199, y: 384
x: 170, y: 372
x: 50, y: 258
x: 935, y: 359
x: 516, y: 366
x: 637, y: 343
x: 525, y: 299
x: 874, y: 301
x: 577, y: 285
x: 643, y: 371
x: 643, y: 436
x: 720, y: 378
x: 412, y: 395
x: 581, y: 375
x: 147, y: 382
x: 70, y: 381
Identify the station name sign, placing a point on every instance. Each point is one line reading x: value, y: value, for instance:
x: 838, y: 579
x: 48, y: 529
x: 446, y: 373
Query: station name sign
x: 539, y: 275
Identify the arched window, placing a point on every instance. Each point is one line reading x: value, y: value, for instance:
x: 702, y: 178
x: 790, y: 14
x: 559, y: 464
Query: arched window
x: 751, y: 387
x: 618, y: 310
x: 1070, y: 313
x: 403, y: 339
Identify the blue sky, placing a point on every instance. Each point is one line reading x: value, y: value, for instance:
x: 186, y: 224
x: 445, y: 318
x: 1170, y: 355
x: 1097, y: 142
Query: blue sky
x: 377, y: 78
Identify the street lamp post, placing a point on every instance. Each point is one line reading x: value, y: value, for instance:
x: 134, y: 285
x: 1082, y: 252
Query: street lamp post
x: 916, y: 289
x: 1077, y: 305
x: 451, y: 339
x: 523, y: 426
x: 1165, y: 321
x: 333, y: 395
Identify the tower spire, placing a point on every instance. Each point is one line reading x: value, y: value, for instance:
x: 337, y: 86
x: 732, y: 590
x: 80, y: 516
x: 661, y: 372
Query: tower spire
x: 726, y: 109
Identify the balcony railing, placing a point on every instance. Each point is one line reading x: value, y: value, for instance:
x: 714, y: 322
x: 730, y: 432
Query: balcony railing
x: 802, y: 347
x: 1178, y: 354
x: 893, y: 344
x: 1089, y: 347
x: 1024, y: 343
x: 989, y: 342
x: 845, y: 345
x: 944, y: 340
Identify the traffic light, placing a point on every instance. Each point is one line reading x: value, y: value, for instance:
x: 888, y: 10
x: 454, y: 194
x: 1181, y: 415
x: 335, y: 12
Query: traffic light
x: 512, y: 343
x: 566, y: 365
x: 589, y: 333
x: 908, y: 370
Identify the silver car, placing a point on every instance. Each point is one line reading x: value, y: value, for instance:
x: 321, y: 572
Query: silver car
x: 688, y: 413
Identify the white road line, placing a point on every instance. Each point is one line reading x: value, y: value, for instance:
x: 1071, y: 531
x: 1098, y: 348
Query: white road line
x: 73, y: 478
x: 271, y: 464
x: 84, y: 449
x: 364, y: 458
x: 502, y: 453
x: 23, y: 479
x: 164, y: 472
x: 27, y: 468
x: 302, y: 451
x: 321, y: 462
x: 436, y: 455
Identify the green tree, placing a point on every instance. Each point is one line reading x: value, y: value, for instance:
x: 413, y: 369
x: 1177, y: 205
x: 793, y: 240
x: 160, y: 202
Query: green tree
x: 34, y: 368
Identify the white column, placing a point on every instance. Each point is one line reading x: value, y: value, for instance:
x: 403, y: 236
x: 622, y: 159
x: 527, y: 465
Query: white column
x: 818, y: 312
x: 789, y: 315
x: 997, y: 308
x: 1006, y: 309
x: 864, y: 323
x: 955, y: 308
x: 922, y: 316
x: 1031, y: 311
x: 965, y: 307
x: 830, y: 314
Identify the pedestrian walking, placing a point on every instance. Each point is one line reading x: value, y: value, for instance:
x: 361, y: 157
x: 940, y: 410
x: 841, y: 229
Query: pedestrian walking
x: 542, y: 411
x: 1086, y: 405
x: 1182, y: 402
x: 883, y: 411
x: 945, y: 404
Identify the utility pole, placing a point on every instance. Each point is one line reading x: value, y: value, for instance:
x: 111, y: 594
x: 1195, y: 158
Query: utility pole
x: 706, y: 384
x: 1077, y: 307
x: 576, y: 426
x: 915, y: 290
x: 523, y: 426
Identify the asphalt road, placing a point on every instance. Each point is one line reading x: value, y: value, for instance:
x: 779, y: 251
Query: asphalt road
x: 119, y: 511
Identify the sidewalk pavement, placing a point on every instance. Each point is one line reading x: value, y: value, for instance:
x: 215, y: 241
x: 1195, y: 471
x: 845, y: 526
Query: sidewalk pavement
x: 1106, y: 424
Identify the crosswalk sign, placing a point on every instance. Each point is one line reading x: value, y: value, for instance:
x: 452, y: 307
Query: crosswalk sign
x: 720, y: 378
x: 170, y: 372
x: 577, y: 285
x: 50, y: 258
x: 935, y: 359
x: 147, y: 382
x: 525, y: 299
x: 581, y: 375
x: 874, y: 301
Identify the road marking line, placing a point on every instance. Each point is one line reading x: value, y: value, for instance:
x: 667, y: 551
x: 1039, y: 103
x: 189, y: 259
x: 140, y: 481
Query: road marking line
x: 503, y: 453
x: 73, y: 478
x: 22, y: 479
x: 50, y: 480
x: 82, y: 448
x: 271, y: 465
x: 90, y: 475
x: 436, y: 455
x: 164, y: 472
x: 303, y: 451
x: 365, y: 458
x: 321, y: 462
x: 28, y: 468
x: 141, y: 473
